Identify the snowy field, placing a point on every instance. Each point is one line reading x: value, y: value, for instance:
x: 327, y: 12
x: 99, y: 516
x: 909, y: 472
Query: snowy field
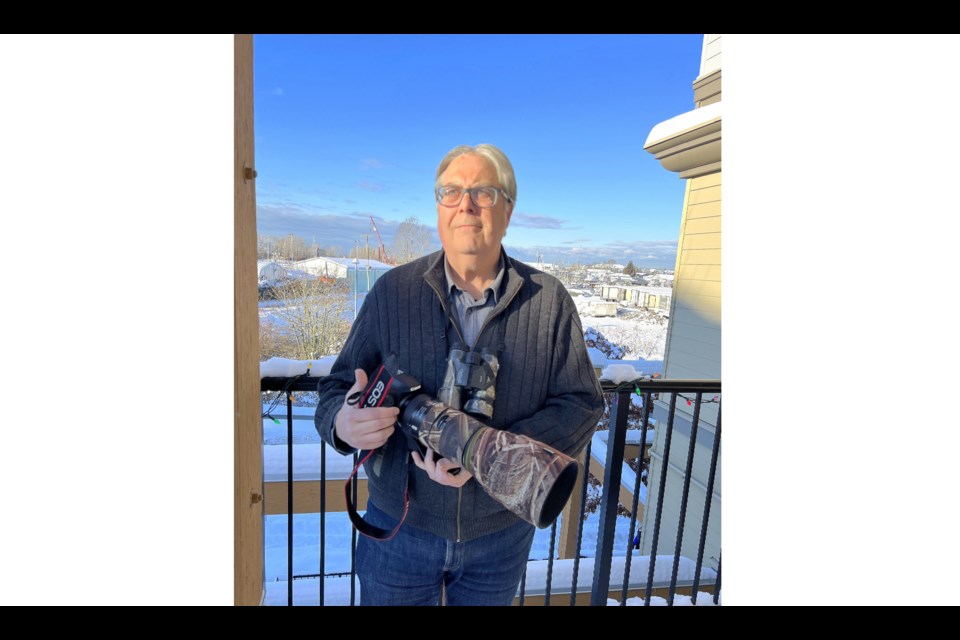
x: 640, y: 332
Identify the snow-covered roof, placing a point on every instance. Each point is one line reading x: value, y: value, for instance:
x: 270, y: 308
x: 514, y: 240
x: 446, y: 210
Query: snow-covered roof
x: 348, y: 262
x: 684, y: 122
x: 538, y: 265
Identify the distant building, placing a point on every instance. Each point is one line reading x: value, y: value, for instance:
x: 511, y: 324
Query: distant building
x: 540, y: 266
x: 613, y: 293
x: 270, y: 271
x: 367, y: 273
x: 637, y: 296
x: 655, y: 298
x: 602, y: 308
x: 660, y: 280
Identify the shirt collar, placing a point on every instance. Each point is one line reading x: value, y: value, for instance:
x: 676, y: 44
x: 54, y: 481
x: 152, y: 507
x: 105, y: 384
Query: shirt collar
x: 494, y: 286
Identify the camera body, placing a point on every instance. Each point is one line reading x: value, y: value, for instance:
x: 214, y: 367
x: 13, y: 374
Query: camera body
x: 528, y: 477
x: 391, y: 387
x: 422, y: 419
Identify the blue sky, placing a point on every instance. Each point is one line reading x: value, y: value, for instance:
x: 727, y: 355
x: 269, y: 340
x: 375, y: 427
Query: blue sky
x: 353, y: 126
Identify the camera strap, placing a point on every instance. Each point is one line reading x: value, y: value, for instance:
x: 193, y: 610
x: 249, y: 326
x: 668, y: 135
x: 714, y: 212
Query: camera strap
x: 362, y: 525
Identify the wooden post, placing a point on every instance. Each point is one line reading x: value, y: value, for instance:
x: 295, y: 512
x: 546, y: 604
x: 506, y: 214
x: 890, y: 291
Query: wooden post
x: 247, y: 426
x: 567, y: 545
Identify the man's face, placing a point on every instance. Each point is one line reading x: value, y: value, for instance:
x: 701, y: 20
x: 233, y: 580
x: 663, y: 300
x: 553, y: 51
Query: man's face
x: 467, y: 229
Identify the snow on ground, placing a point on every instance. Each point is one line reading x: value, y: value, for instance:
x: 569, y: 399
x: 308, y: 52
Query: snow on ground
x: 704, y: 599
x: 628, y: 477
x: 273, y: 310
x: 641, y: 332
x: 562, y: 573
x: 304, y: 432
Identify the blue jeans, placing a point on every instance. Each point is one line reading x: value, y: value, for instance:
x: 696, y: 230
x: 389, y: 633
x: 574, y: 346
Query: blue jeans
x: 411, y: 568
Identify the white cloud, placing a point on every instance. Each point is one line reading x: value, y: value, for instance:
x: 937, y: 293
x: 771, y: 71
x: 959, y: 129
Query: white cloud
x: 369, y: 185
x: 373, y: 163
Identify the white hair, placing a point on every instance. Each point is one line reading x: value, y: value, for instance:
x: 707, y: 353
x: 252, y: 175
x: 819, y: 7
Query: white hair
x: 508, y: 182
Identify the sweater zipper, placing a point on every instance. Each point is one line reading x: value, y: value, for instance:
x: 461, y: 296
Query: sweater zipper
x: 494, y: 315
x: 486, y: 322
x: 443, y: 306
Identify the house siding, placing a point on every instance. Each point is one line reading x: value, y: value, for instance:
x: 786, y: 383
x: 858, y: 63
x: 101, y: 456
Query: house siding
x: 710, y: 56
x: 693, y: 347
x: 673, y: 496
x: 693, y: 351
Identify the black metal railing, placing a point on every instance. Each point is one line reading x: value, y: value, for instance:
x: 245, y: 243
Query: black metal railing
x: 658, y: 405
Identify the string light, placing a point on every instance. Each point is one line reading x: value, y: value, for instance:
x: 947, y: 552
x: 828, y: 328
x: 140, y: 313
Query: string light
x: 713, y: 400
x: 286, y: 387
x: 635, y: 388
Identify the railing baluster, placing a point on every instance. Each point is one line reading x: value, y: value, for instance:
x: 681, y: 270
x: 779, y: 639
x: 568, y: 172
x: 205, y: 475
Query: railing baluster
x: 583, y: 506
x: 691, y: 451
x: 523, y: 586
x: 289, y: 499
x: 353, y: 537
x: 636, y: 497
x: 608, y: 506
x: 323, y: 518
x: 663, y: 484
x: 706, y: 507
x: 553, y: 540
x: 716, y: 585
x: 610, y: 499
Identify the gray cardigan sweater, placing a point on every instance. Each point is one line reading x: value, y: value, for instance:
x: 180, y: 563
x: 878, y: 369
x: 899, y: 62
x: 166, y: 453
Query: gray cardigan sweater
x: 546, y: 388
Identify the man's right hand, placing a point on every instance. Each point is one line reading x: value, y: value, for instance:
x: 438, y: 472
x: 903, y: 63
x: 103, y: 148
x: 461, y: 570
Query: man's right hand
x: 365, y: 428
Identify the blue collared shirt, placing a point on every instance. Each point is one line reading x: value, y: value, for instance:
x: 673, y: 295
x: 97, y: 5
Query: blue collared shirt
x: 470, y: 313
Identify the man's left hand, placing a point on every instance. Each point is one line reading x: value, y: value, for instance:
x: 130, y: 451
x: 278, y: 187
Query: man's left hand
x: 439, y: 470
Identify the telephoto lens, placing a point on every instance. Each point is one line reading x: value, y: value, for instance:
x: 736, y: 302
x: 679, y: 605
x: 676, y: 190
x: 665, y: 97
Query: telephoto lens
x: 529, y: 478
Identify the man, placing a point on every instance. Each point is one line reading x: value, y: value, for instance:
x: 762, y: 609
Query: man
x: 469, y: 296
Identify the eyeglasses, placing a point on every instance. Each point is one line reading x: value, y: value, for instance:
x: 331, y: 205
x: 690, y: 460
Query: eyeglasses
x: 484, y: 197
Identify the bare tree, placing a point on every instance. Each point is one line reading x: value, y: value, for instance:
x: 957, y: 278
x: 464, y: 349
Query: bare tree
x: 267, y: 246
x: 284, y: 247
x: 295, y: 248
x: 310, y: 318
x: 411, y: 242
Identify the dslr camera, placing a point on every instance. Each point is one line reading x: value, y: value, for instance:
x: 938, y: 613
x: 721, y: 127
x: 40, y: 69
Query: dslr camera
x: 528, y: 477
